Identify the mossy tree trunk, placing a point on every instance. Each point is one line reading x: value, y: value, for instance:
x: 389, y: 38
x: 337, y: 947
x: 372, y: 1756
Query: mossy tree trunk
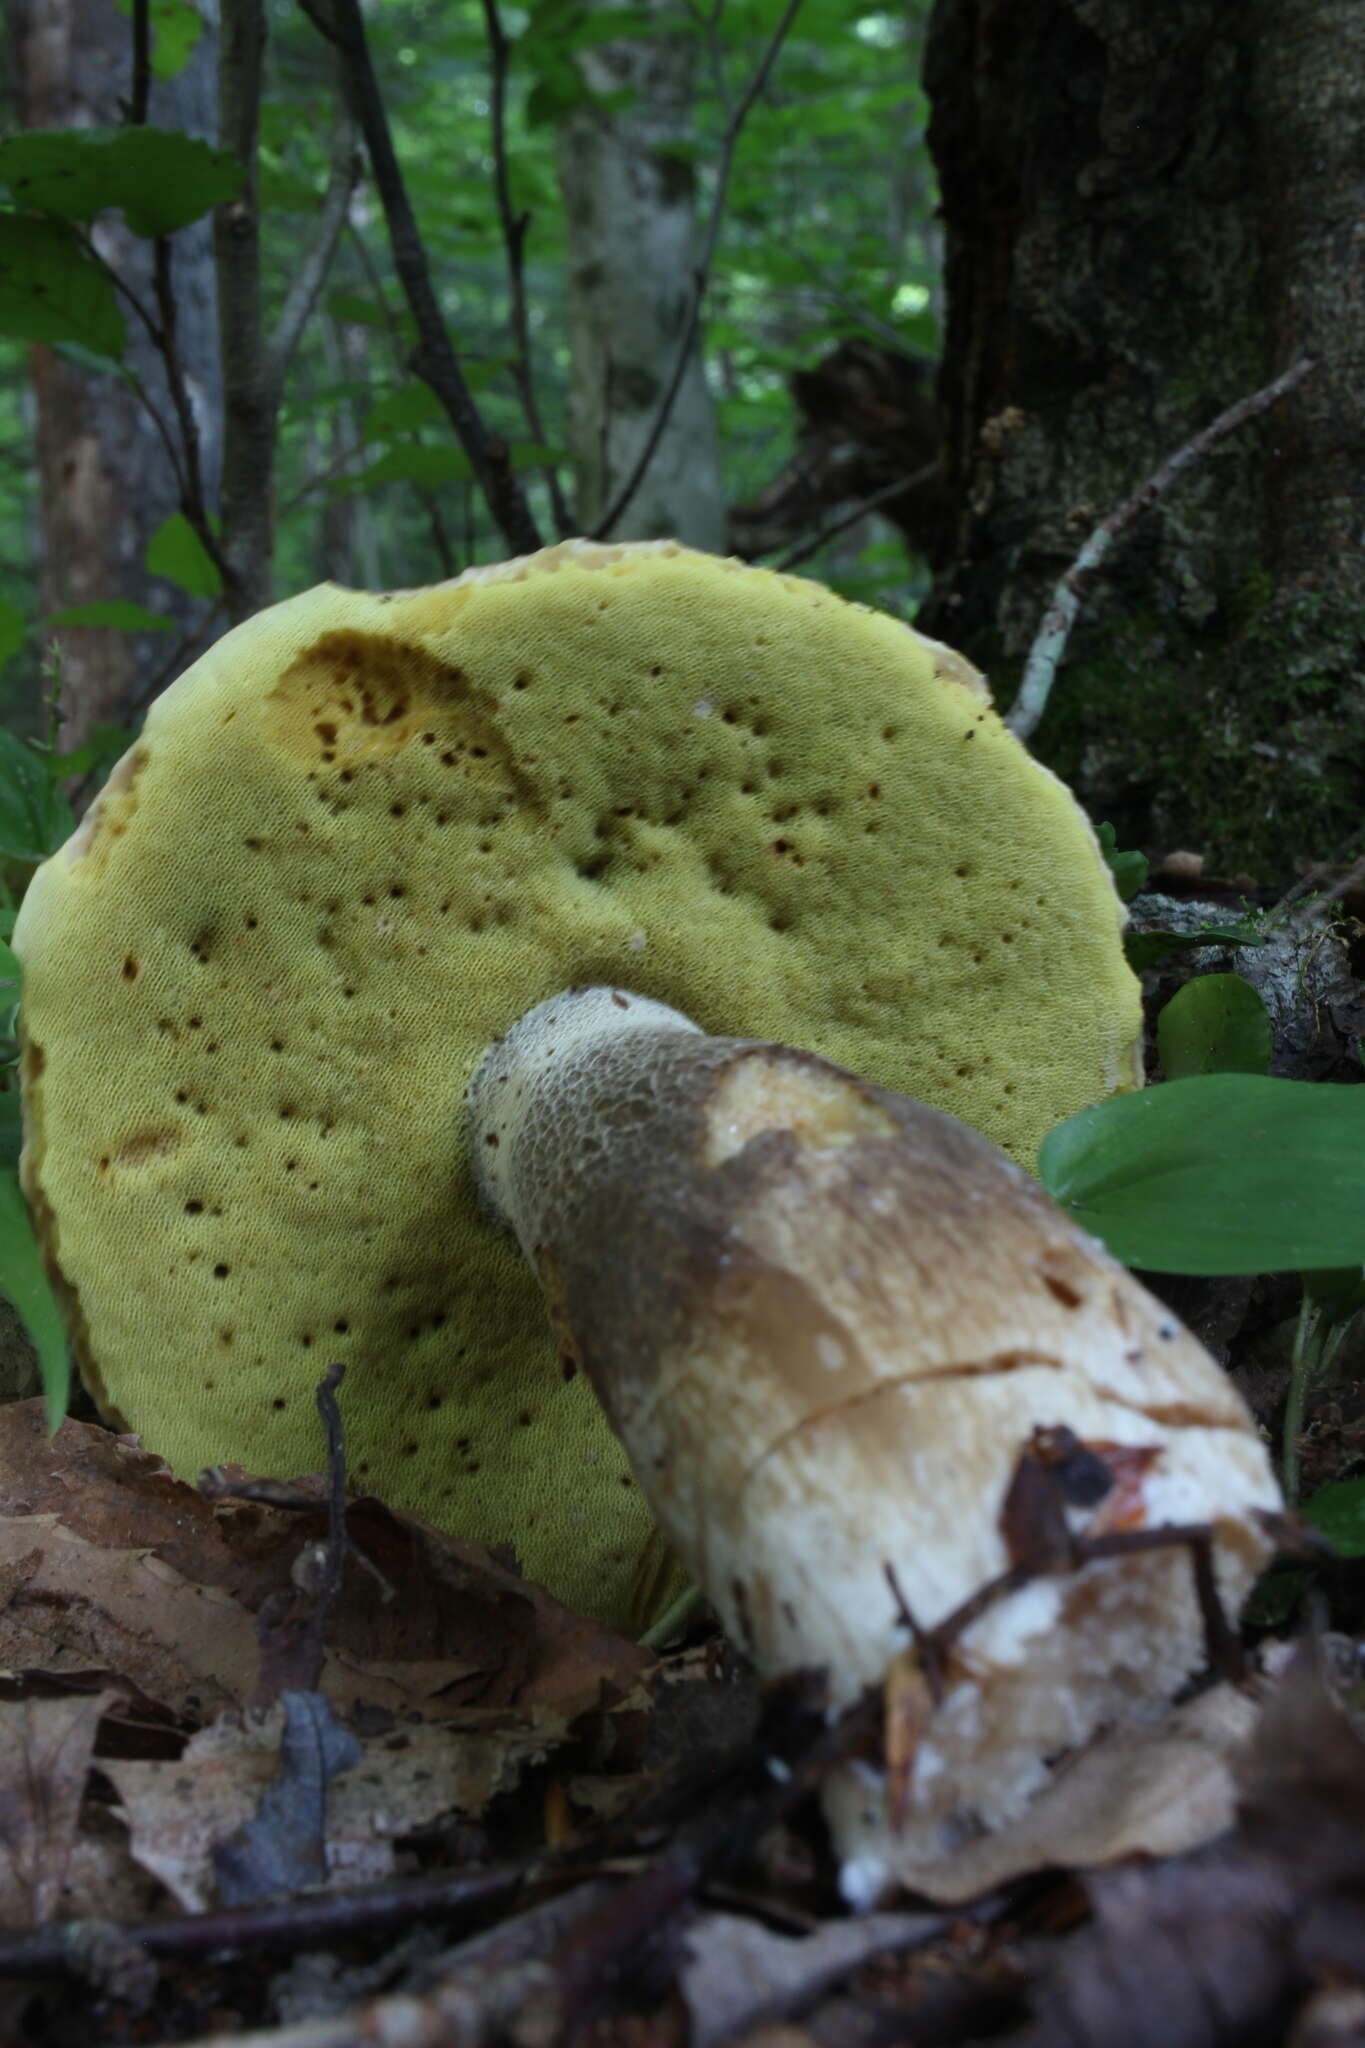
x: 106, y: 484
x: 1150, y: 212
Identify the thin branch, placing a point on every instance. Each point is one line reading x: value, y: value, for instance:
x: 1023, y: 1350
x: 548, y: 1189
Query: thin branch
x: 514, y: 229
x: 804, y: 549
x: 176, y: 660
x: 1054, y: 631
x: 141, y: 90
x: 194, y: 503
x: 72, y: 1950
x: 311, y: 275
x: 434, y: 360
x: 738, y: 114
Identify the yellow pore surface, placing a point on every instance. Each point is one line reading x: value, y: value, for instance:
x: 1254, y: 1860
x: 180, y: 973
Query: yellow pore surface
x: 358, y: 839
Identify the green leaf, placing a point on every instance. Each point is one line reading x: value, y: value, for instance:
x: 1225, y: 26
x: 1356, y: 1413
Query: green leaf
x: 34, y: 815
x: 176, y: 552
x: 12, y: 630
x: 357, y: 311
x: 1216, y: 1024
x: 1144, y: 949
x: 10, y: 969
x: 119, y: 612
x: 1224, y: 1173
x: 159, y: 178
x: 1128, y: 869
x: 51, y: 290
x: 176, y: 29
x: 11, y: 1125
x: 1337, y: 1511
x: 24, y: 1280
x: 413, y: 465
x: 416, y: 405
x: 97, y: 753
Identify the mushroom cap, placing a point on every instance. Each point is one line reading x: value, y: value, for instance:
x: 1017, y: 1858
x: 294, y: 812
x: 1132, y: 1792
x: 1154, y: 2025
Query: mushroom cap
x: 362, y: 835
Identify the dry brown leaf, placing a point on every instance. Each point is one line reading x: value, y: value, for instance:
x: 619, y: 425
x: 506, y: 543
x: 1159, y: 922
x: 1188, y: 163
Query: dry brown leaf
x: 178, y: 1812
x: 1157, y: 1791
x: 739, y: 1975
x: 108, y: 1561
x: 45, y: 1751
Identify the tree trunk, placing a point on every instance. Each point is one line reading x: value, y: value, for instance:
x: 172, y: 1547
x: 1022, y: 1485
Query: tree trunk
x: 632, y: 255
x: 106, y: 483
x: 1149, y: 213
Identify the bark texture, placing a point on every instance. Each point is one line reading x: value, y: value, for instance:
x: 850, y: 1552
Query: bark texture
x: 632, y: 256
x: 1149, y: 213
x: 106, y: 482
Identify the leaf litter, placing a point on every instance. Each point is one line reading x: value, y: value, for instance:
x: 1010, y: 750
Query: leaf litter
x: 283, y: 1767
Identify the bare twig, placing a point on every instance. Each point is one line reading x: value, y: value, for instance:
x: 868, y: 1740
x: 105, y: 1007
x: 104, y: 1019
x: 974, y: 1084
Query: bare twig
x: 176, y: 660
x: 514, y: 228
x: 434, y: 360
x: 738, y: 114
x: 194, y: 503
x: 1055, y: 629
x: 289, y: 1923
x: 311, y: 275
x: 804, y: 549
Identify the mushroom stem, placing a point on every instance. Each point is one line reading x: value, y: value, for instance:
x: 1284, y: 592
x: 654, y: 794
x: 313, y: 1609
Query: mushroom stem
x: 836, y: 1331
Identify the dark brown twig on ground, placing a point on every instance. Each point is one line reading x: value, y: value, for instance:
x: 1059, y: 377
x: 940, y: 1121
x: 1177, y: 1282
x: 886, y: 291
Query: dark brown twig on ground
x: 514, y: 229
x: 434, y: 360
x: 313, y: 1918
x: 738, y: 114
x: 804, y: 549
x: 1055, y: 628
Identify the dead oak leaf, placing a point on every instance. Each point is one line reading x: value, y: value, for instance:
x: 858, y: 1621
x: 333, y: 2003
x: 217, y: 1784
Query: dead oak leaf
x: 45, y: 1751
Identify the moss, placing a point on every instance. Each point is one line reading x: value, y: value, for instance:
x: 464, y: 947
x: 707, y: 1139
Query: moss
x: 1241, y: 738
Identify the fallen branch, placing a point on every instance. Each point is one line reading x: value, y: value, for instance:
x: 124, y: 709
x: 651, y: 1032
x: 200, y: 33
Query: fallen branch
x: 1049, y: 643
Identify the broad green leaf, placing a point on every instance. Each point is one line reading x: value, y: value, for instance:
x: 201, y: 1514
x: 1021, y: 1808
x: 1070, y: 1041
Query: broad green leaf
x: 416, y: 405
x: 24, y: 1281
x: 1224, y: 1173
x: 119, y: 612
x: 1216, y: 1024
x: 1128, y: 869
x: 52, y: 290
x: 34, y: 815
x: 159, y: 178
x: 12, y: 630
x: 10, y: 969
x: 1337, y: 1511
x: 1144, y: 949
x: 176, y: 552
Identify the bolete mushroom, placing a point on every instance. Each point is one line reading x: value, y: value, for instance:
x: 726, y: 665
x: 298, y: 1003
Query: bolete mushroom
x: 903, y: 1421
x: 362, y: 835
